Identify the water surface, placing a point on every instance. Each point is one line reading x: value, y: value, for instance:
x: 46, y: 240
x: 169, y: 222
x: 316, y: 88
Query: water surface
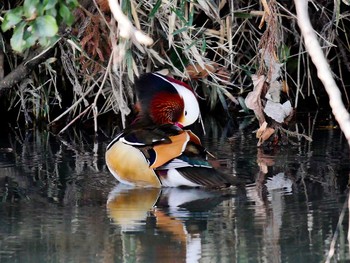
x: 60, y: 204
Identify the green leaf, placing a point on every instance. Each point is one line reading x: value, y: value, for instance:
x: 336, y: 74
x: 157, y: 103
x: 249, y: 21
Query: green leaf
x: 51, y: 12
x: 17, y: 41
x: 12, y: 18
x: 66, y: 14
x: 155, y: 9
x: 30, y: 8
x: 179, y: 14
x: 31, y: 40
x: 30, y: 37
x: 47, y: 41
x: 243, y: 15
x: 204, y: 45
x: 45, y: 26
x: 44, y: 41
x: 194, y: 42
x: 284, y: 52
x: 48, y: 4
x: 126, y: 7
x: 70, y: 3
x: 176, y: 32
x: 222, y: 99
x: 190, y: 19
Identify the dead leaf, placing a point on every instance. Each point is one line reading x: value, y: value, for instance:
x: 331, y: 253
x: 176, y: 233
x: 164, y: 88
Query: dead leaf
x: 197, y: 72
x: 253, y: 99
x: 278, y: 111
x: 261, y: 130
x: 274, y: 92
x: 210, y: 9
x: 223, y: 75
x: 104, y: 5
x: 264, y: 133
x: 272, y: 64
x: 285, y: 87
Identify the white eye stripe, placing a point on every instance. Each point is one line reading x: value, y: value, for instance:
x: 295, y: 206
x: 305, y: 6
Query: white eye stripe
x: 191, y: 110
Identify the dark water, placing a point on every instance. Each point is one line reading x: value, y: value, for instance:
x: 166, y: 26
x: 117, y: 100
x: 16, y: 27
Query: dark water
x: 60, y: 204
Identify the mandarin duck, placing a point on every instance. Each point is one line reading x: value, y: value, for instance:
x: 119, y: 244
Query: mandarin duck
x: 156, y: 151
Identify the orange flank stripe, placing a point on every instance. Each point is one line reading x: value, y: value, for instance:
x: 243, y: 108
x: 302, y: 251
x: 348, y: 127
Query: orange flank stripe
x: 194, y: 138
x: 167, y: 152
x: 129, y: 164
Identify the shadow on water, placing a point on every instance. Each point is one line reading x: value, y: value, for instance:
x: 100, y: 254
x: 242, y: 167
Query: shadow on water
x: 60, y: 204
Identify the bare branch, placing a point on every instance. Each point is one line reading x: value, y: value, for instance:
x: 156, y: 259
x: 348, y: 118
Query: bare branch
x: 126, y: 29
x: 24, y: 69
x: 323, y: 70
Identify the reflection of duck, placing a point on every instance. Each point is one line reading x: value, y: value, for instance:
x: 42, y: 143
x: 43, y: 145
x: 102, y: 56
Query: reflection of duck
x: 155, y: 151
x: 164, y: 219
x: 130, y: 206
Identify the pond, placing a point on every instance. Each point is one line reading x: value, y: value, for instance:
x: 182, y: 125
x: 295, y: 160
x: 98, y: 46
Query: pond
x: 60, y: 204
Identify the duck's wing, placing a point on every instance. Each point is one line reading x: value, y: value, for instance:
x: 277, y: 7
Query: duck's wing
x: 208, y: 177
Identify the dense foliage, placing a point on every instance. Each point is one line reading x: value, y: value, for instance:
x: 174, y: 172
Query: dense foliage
x: 37, y: 22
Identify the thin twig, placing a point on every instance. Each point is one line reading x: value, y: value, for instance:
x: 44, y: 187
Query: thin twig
x: 94, y: 104
x: 76, y: 103
x: 72, y: 121
x: 295, y: 134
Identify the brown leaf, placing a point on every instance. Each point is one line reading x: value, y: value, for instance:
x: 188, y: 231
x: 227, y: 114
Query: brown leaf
x: 104, y: 6
x: 197, y: 72
x: 264, y: 133
x: 285, y: 87
x: 223, y: 74
x: 261, y: 130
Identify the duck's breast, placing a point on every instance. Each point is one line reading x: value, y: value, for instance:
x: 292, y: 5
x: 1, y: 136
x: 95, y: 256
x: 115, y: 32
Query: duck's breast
x: 128, y: 165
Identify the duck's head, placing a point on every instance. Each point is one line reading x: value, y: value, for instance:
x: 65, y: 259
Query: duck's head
x: 166, y: 100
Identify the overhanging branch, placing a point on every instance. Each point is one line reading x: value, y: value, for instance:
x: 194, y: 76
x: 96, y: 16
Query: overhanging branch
x: 324, y: 72
x: 24, y: 69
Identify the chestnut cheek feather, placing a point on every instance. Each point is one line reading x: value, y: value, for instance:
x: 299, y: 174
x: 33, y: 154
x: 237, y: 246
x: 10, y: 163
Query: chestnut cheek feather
x: 166, y: 108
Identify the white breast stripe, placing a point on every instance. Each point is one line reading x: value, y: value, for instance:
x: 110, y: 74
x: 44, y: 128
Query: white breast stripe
x: 122, y: 139
x: 114, y: 140
x: 175, y: 163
